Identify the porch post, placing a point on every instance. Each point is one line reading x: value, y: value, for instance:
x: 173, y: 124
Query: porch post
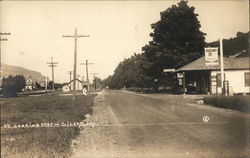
x: 184, y: 85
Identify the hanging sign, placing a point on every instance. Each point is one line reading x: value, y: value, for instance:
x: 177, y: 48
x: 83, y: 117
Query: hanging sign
x: 211, y: 56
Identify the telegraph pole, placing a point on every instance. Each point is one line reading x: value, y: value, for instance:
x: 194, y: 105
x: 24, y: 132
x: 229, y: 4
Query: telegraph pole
x: 87, y: 69
x: 78, y: 81
x: 2, y: 39
x: 94, y: 75
x: 70, y: 78
x: 46, y: 83
x: 75, y: 36
x: 52, y: 65
x: 221, y: 66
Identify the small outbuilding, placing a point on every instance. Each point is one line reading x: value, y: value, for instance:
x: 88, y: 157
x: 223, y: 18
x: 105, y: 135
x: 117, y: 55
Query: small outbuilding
x: 79, y: 85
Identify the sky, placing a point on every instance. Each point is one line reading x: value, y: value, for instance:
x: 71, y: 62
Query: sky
x: 117, y: 29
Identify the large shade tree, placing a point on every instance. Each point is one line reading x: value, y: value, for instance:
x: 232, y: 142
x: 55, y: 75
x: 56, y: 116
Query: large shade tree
x: 176, y: 39
x: 130, y: 73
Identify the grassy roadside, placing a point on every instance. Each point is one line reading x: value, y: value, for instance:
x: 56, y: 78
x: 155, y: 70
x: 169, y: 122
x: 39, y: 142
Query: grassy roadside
x: 240, y: 103
x: 41, y: 142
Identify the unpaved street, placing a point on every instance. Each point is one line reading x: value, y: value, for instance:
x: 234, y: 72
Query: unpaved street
x: 135, y: 125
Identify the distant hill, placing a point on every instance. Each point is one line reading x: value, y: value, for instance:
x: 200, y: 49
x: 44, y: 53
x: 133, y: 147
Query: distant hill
x: 16, y: 70
x: 233, y: 45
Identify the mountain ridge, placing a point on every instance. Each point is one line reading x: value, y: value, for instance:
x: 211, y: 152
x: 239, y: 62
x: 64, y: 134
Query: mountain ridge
x: 8, y: 70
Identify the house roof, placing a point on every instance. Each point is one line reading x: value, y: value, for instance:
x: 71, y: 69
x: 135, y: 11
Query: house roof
x: 230, y: 63
x: 76, y: 81
x: 243, y: 53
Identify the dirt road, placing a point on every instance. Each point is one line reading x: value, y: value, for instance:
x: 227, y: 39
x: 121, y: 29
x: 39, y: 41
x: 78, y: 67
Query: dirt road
x: 159, y: 125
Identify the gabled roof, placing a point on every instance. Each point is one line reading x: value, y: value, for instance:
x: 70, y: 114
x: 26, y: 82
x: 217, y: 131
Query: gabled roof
x: 76, y: 81
x: 229, y: 64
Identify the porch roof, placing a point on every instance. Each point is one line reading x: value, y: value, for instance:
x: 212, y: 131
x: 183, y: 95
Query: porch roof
x: 230, y: 63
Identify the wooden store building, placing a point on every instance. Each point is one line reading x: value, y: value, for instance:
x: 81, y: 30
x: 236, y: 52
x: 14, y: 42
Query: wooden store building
x: 198, y: 77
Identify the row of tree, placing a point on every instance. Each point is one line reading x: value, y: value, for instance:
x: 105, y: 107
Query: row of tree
x: 233, y: 45
x: 12, y: 85
x: 130, y: 73
x: 176, y: 41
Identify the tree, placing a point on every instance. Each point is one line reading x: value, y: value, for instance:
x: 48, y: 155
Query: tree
x: 233, y: 45
x: 12, y: 85
x: 176, y: 39
x: 130, y: 73
x: 20, y: 82
x: 50, y: 84
x: 107, y: 81
x: 97, y: 83
x: 37, y: 85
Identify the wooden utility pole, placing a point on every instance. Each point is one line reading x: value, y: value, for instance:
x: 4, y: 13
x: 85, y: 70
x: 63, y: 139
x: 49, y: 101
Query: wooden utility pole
x: 52, y: 65
x: 94, y: 75
x: 184, y: 83
x: 77, y: 76
x: 2, y: 39
x: 75, y: 36
x: 87, y: 69
x: 46, y: 83
x: 70, y: 78
x: 221, y: 66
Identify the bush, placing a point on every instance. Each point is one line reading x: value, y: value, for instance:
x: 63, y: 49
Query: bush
x: 240, y: 103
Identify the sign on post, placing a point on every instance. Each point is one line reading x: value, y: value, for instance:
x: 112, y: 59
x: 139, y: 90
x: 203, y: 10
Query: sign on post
x: 211, y: 56
x: 84, y: 91
x: 169, y: 70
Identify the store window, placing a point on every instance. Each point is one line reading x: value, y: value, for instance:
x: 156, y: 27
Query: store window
x: 247, y: 79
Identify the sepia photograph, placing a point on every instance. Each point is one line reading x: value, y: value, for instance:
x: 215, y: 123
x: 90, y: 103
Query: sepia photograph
x: 124, y: 79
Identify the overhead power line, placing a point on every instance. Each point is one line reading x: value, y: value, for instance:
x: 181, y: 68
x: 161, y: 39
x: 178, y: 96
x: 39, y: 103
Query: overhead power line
x: 52, y: 65
x: 75, y: 36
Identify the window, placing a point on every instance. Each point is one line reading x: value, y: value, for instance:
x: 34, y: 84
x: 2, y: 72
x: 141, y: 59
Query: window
x: 247, y: 79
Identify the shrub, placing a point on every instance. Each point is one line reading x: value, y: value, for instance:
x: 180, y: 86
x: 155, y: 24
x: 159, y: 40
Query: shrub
x: 240, y: 103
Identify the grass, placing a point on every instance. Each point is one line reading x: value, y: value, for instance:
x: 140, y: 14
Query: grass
x: 41, y: 142
x: 238, y: 102
x: 150, y: 90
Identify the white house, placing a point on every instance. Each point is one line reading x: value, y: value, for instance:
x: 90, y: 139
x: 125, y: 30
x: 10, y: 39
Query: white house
x: 197, y: 77
x: 29, y: 84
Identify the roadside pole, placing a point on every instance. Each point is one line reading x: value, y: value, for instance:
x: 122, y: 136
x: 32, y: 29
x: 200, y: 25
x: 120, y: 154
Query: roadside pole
x: 70, y: 78
x: 184, y: 85
x: 52, y: 65
x: 221, y: 66
x: 77, y: 76
x: 46, y: 84
x: 75, y: 36
x: 87, y: 71
x: 94, y: 75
